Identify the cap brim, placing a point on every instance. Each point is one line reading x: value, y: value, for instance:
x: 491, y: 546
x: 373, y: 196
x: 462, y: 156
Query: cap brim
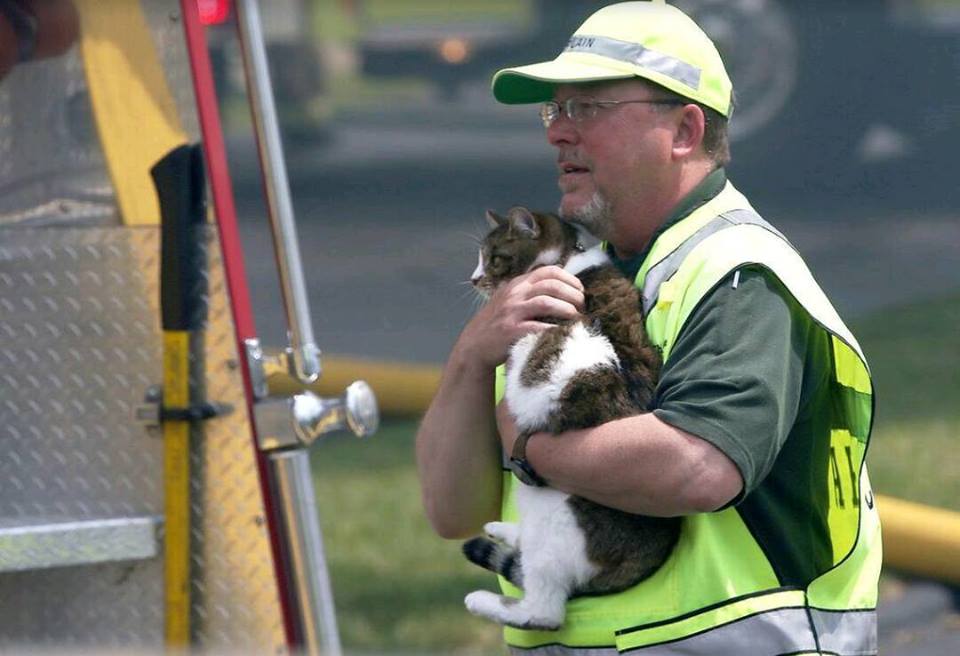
x: 535, y: 82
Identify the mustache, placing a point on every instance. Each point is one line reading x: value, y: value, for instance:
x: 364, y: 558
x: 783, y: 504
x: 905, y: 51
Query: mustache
x: 571, y: 156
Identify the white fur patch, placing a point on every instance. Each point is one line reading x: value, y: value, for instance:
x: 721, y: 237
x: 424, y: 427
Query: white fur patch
x: 478, y: 272
x: 532, y: 406
x: 552, y: 544
x: 553, y: 559
x: 506, y: 532
x: 587, y: 259
x: 547, y: 257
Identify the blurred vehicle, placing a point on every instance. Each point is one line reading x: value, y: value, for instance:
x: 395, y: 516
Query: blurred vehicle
x: 452, y: 47
x: 297, y: 72
x: 832, y: 95
x: 842, y: 98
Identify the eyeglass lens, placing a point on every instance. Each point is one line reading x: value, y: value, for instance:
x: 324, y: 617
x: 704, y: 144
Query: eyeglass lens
x: 576, y: 108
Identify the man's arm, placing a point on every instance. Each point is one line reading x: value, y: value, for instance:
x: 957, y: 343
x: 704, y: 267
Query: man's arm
x: 637, y: 464
x: 458, y: 451
x: 726, y: 402
x: 458, y: 454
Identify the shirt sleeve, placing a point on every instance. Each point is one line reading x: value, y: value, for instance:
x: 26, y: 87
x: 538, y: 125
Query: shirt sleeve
x: 734, y: 377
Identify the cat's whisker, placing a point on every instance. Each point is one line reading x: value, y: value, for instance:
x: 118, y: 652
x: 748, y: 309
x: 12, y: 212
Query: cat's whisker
x: 475, y: 238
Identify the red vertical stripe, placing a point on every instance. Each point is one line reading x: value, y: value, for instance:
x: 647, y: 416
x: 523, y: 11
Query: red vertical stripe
x: 216, y: 160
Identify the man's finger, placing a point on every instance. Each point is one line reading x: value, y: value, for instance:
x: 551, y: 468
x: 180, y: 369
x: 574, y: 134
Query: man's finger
x: 557, y: 289
x: 541, y: 307
x: 555, y: 272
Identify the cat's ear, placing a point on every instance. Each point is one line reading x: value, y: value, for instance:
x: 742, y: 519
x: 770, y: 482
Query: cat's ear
x: 523, y: 223
x: 494, y: 220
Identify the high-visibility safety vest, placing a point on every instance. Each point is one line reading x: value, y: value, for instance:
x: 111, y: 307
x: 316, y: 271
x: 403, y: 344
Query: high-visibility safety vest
x: 718, y: 593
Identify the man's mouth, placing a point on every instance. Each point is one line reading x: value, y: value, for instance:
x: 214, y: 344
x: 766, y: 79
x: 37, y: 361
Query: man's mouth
x: 568, y: 168
x: 570, y: 175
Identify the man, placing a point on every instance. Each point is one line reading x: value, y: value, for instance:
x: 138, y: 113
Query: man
x: 763, y: 410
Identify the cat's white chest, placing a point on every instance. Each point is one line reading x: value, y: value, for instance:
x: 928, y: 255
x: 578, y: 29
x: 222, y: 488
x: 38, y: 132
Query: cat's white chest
x: 532, y: 404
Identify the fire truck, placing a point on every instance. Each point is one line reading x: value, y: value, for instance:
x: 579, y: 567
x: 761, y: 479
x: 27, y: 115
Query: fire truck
x: 155, y: 490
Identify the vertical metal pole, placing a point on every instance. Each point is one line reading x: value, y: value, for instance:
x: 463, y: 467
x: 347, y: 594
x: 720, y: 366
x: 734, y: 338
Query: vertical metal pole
x: 304, y: 542
x: 306, y: 355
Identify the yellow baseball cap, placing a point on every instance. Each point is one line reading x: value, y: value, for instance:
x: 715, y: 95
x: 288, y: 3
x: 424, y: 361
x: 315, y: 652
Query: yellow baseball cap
x: 648, y: 39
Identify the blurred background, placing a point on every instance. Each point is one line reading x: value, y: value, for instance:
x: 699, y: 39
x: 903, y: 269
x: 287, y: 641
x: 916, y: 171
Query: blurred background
x: 845, y: 136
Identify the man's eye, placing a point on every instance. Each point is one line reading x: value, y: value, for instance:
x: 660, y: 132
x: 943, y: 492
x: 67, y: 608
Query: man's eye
x: 581, y: 108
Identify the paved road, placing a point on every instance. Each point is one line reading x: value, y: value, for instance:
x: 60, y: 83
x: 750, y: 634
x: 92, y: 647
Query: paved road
x: 388, y: 215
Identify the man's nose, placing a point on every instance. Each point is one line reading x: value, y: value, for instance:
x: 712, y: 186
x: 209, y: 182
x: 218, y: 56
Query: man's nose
x: 562, y: 131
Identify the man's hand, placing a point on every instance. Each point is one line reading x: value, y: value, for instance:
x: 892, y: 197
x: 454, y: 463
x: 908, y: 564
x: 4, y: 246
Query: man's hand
x: 516, y: 309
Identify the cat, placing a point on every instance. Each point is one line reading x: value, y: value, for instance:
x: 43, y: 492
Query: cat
x: 576, y: 374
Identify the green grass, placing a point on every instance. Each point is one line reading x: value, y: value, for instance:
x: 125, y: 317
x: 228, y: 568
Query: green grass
x: 914, y: 354
x: 399, y: 588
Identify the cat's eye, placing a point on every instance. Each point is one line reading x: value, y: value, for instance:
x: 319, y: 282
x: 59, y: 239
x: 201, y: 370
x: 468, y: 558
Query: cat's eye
x: 496, y: 261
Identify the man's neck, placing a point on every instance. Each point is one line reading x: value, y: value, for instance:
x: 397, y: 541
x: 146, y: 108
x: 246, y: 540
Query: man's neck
x: 645, y: 222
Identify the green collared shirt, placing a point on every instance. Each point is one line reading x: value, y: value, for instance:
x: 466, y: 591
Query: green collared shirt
x: 749, y: 373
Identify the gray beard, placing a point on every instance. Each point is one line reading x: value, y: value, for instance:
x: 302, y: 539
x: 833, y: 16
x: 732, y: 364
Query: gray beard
x: 596, y: 216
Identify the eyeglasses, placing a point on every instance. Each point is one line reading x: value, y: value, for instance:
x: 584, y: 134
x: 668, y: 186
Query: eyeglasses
x: 582, y: 108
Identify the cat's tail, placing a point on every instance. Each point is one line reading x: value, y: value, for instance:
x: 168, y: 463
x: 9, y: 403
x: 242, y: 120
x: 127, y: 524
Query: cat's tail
x: 495, y: 556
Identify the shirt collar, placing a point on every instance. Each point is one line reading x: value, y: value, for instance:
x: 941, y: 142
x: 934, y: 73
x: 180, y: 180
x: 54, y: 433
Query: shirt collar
x: 708, y: 188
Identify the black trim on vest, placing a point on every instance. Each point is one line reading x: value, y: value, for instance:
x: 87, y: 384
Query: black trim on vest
x: 714, y: 606
x: 716, y: 626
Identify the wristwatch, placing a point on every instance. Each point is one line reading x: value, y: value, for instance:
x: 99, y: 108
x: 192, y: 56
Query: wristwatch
x: 519, y: 465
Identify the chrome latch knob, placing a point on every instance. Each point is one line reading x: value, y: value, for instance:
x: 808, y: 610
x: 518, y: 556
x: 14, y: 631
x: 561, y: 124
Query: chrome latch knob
x: 356, y: 410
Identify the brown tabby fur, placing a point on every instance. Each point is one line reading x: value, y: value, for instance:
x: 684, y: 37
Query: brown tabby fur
x: 626, y: 547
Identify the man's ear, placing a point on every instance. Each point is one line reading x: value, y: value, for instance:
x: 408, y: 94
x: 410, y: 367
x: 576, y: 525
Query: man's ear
x: 689, y: 131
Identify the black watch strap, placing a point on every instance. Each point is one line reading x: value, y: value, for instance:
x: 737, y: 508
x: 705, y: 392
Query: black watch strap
x: 519, y: 465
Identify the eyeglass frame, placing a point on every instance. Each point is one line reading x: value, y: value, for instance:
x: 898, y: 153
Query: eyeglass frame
x: 563, y: 107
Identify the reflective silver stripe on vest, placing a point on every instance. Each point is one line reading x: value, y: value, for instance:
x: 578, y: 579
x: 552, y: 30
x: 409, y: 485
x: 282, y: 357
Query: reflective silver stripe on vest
x: 781, y: 631
x: 846, y: 632
x: 634, y: 53
x: 665, y: 268
x: 560, y: 650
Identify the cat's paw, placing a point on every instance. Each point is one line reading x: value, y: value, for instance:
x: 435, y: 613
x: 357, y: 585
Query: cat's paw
x: 506, y: 532
x: 485, y: 604
x: 509, y: 611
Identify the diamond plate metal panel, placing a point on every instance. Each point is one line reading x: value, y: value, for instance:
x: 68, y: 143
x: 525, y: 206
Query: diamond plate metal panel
x: 233, y: 559
x: 80, y: 346
x: 80, y: 331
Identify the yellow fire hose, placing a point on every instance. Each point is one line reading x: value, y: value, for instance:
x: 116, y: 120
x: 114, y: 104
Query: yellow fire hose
x: 920, y: 539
